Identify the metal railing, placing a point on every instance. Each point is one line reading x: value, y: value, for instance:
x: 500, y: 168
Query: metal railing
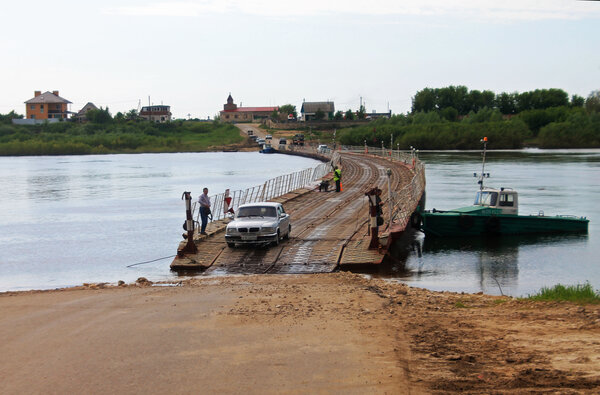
x: 405, y: 200
x: 271, y: 189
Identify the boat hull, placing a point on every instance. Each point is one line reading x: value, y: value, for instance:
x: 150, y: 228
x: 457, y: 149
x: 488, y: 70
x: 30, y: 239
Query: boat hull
x: 459, y: 224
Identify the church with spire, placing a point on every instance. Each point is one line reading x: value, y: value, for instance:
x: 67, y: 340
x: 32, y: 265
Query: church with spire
x: 232, y: 113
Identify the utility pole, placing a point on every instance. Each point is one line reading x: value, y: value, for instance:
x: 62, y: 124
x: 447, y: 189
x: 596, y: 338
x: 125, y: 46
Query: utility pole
x: 390, y: 199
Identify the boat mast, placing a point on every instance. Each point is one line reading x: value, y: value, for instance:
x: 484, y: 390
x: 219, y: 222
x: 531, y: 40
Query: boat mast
x: 483, y: 175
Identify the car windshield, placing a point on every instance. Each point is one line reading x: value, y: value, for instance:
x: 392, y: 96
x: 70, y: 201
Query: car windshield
x: 257, y: 211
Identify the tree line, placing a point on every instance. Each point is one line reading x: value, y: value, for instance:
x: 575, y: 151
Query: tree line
x: 103, y: 134
x: 459, y: 100
x: 457, y: 118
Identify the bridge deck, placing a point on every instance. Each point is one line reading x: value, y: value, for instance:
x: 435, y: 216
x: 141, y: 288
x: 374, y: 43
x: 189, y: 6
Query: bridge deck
x: 328, y: 228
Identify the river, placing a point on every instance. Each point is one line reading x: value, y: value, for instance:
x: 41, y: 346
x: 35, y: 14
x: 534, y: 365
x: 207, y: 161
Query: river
x: 66, y: 220
x: 553, y: 181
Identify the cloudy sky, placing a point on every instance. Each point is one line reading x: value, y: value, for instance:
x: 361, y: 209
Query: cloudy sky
x: 192, y: 54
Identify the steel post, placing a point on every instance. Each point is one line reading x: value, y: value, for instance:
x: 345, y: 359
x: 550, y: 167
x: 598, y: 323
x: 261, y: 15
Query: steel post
x: 372, y: 195
x: 190, y: 246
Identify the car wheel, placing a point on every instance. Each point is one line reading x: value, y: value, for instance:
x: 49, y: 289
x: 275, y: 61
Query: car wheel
x: 230, y: 245
x: 287, y: 235
x: 277, y: 238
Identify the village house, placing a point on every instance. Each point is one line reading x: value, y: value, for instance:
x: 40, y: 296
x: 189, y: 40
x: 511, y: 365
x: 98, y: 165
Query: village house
x: 81, y: 115
x: 309, y: 110
x: 158, y: 114
x: 232, y: 113
x: 46, y: 106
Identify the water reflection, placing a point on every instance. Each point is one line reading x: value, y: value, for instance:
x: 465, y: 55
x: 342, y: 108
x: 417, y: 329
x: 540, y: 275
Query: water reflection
x: 488, y: 264
x: 52, y: 187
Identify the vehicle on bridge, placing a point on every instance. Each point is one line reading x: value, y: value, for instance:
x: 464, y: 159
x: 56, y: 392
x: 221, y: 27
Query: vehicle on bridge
x: 298, y: 139
x: 261, y: 223
x: 323, y: 149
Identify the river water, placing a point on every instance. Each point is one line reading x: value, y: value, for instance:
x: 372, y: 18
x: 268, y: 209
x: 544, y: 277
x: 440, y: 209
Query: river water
x: 66, y: 220
x: 555, y: 182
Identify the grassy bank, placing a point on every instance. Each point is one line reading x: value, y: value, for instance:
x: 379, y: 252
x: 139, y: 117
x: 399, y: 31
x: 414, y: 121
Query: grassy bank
x: 572, y: 293
x: 67, y: 138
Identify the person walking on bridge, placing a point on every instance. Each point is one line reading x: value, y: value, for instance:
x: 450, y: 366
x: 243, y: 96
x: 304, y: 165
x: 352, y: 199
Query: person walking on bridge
x: 204, y: 201
x: 337, y: 177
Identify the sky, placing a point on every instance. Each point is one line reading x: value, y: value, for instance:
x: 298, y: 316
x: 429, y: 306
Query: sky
x: 192, y: 54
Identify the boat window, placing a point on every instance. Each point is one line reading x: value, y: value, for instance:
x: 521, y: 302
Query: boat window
x: 486, y: 198
x: 507, y: 200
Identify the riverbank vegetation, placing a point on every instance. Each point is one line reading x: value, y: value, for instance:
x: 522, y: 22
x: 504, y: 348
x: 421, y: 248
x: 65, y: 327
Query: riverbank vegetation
x: 455, y: 118
x: 581, y: 293
x: 107, y: 135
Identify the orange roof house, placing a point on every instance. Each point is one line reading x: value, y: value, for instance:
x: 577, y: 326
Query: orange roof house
x: 232, y: 113
x: 47, y: 105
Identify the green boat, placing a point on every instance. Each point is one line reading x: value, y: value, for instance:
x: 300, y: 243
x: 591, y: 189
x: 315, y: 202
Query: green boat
x: 494, y: 212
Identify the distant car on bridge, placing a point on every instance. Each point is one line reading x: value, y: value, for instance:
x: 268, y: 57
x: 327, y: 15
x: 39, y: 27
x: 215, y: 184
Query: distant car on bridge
x: 260, y: 223
x: 323, y: 149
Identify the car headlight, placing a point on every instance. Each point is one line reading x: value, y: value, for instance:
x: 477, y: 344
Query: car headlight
x: 231, y: 230
x: 269, y: 229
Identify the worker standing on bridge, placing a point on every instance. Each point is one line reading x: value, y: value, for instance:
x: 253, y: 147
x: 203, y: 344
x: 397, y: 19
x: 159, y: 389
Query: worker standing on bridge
x: 204, y: 201
x: 337, y: 177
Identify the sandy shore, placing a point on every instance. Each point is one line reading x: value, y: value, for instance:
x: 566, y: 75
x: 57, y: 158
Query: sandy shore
x: 332, y: 333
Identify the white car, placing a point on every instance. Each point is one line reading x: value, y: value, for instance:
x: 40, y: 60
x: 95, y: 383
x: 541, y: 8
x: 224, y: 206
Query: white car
x: 323, y: 149
x: 258, y: 223
x: 268, y: 137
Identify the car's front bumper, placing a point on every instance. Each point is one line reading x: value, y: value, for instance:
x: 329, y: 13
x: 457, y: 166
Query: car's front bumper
x: 251, y: 239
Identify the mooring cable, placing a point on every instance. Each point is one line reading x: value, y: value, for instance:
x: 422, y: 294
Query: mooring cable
x: 153, y: 260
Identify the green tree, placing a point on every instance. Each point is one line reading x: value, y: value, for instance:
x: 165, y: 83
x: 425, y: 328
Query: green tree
x: 362, y: 113
x: 288, y: 109
x: 119, y: 117
x: 9, y: 117
x: 577, y: 101
x: 592, y: 103
x: 450, y: 114
x: 319, y: 115
x: 99, y: 116
x: 338, y: 116
x: 132, y: 115
x: 507, y: 103
x: 424, y: 100
x: 349, y: 115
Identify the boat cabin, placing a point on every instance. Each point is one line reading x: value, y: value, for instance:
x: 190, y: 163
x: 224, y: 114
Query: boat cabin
x: 505, y: 199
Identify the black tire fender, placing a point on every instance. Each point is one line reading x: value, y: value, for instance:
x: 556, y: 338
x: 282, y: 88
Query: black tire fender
x: 416, y: 220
